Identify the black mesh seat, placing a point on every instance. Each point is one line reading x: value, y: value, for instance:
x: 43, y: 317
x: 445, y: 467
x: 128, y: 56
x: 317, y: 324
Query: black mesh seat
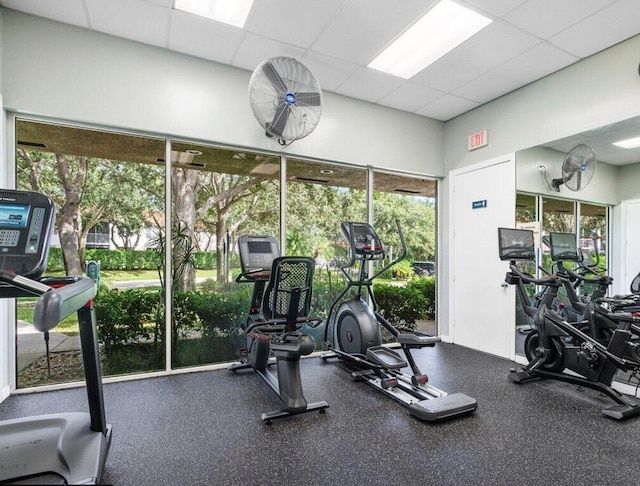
x: 291, y: 277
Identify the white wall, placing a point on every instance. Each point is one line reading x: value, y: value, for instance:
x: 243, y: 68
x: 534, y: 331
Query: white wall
x: 71, y: 73
x: 597, y: 91
x: 629, y: 182
x: 602, y: 189
x: 602, y: 89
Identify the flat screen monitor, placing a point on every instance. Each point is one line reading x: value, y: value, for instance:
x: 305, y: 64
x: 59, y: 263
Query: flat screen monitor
x: 14, y: 215
x: 516, y: 244
x: 564, y: 247
x: 257, y: 253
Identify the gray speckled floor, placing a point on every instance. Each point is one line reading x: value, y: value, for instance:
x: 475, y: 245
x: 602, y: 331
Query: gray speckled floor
x: 205, y: 429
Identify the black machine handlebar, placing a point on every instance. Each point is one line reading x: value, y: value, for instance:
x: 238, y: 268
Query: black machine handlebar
x: 600, y: 279
x: 552, y: 280
x: 374, y: 250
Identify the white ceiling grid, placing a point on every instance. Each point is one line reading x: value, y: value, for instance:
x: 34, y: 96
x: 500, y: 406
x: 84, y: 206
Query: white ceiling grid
x: 336, y: 39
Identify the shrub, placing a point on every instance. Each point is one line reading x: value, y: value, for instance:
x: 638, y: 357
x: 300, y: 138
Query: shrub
x: 403, y: 305
x: 403, y: 270
x: 125, y: 316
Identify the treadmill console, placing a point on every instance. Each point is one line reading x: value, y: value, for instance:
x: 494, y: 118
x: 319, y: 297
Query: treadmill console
x: 257, y: 254
x: 26, y: 225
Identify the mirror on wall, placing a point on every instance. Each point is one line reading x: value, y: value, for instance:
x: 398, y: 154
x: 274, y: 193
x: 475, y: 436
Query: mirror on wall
x: 603, y: 216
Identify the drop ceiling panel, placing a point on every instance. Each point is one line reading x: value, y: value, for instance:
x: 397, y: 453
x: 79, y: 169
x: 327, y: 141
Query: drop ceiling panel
x: 133, y: 19
x: 362, y: 28
x: 494, y: 45
x: 545, y: 18
x: 409, y: 96
x: 498, y: 8
x: 67, y: 11
x: 605, y: 28
x: 254, y: 49
x: 297, y: 23
x: 329, y: 71
x: 447, y: 107
x: 369, y: 85
x: 203, y: 38
x: 536, y: 63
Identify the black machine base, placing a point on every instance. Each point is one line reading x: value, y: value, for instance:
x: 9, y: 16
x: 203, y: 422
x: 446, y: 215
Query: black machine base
x: 320, y: 407
x: 625, y: 408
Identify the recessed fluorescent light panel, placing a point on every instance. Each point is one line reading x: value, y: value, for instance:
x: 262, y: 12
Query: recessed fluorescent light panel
x: 629, y: 143
x: 440, y: 30
x: 232, y: 12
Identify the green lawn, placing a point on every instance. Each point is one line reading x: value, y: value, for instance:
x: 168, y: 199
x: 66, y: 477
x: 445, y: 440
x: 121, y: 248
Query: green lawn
x: 69, y: 325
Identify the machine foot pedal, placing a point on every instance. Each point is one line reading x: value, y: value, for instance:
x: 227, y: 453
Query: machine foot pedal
x: 441, y: 408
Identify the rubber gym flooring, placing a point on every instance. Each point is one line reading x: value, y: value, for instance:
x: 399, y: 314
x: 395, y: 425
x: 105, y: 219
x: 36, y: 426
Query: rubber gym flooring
x: 204, y: 429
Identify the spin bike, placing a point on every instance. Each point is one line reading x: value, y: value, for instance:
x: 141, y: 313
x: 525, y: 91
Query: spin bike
x: 555, y: 345
x: 353, y: 335
x: 61, y: 448
x: 280, y: 305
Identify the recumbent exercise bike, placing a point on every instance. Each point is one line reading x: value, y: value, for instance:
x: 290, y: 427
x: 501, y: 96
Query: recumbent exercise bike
x: 280, y: 305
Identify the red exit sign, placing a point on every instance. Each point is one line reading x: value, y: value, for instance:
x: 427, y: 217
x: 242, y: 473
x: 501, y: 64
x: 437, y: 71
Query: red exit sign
x: 478, y: 139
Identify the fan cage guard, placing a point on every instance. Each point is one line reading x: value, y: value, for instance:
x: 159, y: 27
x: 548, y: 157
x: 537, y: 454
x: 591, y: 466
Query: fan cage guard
x: 271, y: 99
x: 578, y: 167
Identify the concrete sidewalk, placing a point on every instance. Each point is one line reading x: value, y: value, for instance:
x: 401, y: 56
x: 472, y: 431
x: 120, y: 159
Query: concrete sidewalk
x: 31, y: 346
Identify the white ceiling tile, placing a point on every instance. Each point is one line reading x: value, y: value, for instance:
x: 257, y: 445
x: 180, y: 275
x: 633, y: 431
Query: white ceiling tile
x: 536, y: 63
x: 203, y: 38
x: 488, y: 87
x: 447, y: 107
x: 297, y: 23
x: 546, y: 18
x: 254, y: 49
x: 369, y: 85
x: 67, y: 11
x: 497, y: 8
x: 330, y: 72
x: 162, y: 3
x: 490, y: 47
x: 410, y: 97
x: 609, y: 26
x: 362, y: 28
x: 138, y: 20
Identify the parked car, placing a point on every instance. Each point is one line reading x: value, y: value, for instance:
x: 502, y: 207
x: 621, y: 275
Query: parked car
x: 426, y: 269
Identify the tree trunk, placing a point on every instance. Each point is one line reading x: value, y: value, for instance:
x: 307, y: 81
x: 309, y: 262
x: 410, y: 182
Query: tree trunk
x: 68, y: 212
x: 185, y: 185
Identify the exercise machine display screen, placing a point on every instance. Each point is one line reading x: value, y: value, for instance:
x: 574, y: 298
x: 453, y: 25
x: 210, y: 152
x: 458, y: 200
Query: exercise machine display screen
x: 563, y: 247
x: 365, y: 241
x: 13, y: 215
x: 516, y: 244
x: 257, y: 253
x: 26, y: 226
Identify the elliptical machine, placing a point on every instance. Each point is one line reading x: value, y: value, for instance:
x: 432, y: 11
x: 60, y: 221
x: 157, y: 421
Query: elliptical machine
x: 63, y: 448
x: 555, y: 345
x: 276, y: 315
x: 353, y: 334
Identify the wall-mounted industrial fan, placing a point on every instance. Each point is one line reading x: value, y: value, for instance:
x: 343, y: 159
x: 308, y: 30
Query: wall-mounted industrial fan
x: 577, y: 169
x: 285, y: 98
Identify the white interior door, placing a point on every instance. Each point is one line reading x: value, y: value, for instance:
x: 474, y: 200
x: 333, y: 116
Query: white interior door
x: 482, y: 310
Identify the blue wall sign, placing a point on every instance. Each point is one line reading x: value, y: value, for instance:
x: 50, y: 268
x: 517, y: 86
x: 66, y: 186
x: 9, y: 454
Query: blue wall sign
x: 479, y: 204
